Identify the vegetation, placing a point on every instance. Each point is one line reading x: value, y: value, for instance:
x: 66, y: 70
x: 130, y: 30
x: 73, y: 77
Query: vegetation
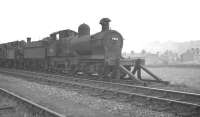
x: 184, y: 76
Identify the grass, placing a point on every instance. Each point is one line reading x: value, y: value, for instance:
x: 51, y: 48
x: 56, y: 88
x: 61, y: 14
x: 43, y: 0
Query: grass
x: 183, y: 76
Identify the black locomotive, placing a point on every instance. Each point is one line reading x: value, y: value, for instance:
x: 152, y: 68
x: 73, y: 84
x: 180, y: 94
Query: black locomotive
x: 72, y: 52
x: 68, y: 51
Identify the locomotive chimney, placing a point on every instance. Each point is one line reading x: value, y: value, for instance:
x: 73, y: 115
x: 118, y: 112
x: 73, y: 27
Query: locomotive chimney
x: 105, y: 24
x: 28, y: 39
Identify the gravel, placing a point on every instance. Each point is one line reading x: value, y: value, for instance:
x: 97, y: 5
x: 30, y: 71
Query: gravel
x: 73, y: 103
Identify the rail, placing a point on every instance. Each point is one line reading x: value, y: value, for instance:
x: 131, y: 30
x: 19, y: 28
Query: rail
x: 48, y: 112
x: 190, y: 101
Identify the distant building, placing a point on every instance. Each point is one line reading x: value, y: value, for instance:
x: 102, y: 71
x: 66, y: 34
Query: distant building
x: 187, y: 56
x: 169, y: 57
x: 153, y: 59
x: 150, y: 59
x: 192, y: 54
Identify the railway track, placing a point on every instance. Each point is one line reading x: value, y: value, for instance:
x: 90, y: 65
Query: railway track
x: 180, y: 103
x: 34, y: 109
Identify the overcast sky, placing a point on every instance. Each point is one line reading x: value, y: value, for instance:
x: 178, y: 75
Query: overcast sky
x: 139, y: 21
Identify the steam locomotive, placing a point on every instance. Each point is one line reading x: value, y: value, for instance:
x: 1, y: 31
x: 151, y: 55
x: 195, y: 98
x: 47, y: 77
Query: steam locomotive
x: 68, y: 51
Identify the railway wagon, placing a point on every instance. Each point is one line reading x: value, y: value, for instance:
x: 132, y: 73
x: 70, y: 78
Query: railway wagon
x: 11, y: 54
x: 35, y: 54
